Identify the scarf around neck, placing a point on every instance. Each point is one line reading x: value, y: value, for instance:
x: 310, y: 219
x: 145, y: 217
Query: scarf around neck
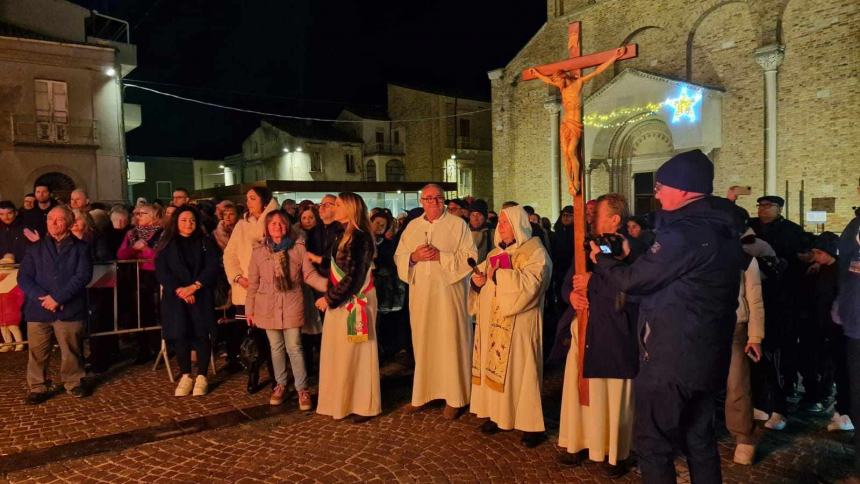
x: 283, y: 278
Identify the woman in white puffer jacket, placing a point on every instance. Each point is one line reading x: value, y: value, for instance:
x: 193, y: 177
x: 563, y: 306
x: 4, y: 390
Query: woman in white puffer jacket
x: 247, y: 233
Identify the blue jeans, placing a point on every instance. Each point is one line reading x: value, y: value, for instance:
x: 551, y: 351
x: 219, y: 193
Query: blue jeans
x: 285, y: 342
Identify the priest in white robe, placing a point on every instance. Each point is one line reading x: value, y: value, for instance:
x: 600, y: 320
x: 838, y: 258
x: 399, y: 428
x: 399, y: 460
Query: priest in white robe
x: 432, y: 258
x: 507, y: 294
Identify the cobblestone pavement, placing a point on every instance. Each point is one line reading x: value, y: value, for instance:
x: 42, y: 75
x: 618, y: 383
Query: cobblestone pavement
x: 305, y: 447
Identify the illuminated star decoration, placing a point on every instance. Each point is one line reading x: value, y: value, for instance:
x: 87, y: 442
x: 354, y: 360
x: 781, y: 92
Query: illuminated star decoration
x: 684, y: 105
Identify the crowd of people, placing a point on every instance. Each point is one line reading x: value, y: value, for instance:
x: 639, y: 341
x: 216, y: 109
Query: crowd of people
x: 675, y: 311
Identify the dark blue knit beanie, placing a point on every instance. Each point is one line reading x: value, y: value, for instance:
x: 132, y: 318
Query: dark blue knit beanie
x: 690, y: 171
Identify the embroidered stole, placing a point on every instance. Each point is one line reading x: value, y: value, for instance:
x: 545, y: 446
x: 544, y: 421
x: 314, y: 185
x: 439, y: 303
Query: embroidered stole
x: 356, y: 306
x: 501, y: 331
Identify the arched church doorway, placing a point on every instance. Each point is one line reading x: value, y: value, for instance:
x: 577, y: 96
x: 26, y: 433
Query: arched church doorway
x: 635, y: 153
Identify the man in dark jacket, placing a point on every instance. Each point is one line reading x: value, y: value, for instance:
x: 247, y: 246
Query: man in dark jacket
x: 610, y: 360
x: 54, y: 276
x: 34, y: 219
x: 688, y: 281
x: 783, y: 298
x: 12, y: 239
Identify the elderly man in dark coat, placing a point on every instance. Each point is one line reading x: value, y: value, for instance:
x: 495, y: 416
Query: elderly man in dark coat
x: 54, y: 275
x: 689, y: 281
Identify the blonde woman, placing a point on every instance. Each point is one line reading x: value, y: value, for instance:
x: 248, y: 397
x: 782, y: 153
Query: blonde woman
x: 349, y: 362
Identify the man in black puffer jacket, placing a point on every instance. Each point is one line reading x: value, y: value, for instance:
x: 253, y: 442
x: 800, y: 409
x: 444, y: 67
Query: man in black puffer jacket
x: 688, y: 283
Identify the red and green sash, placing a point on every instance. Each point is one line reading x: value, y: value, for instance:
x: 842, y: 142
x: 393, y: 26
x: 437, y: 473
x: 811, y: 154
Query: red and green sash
x: 356, y: 306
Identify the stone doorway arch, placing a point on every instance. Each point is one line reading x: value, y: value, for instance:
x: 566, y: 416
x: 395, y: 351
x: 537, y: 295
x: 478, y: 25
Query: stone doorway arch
x: 61, y: 185
x: 638, y: 148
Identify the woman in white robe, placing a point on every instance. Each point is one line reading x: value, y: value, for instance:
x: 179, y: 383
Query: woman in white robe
x: 349, y: 358
x: 508, y: 303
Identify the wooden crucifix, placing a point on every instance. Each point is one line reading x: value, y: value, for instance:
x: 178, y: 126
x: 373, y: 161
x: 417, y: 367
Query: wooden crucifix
x: 567, y: 76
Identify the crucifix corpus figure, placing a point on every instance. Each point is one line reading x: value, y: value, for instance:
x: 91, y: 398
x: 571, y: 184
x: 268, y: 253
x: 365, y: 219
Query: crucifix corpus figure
x: 566, y: 75
x: 570, y: 86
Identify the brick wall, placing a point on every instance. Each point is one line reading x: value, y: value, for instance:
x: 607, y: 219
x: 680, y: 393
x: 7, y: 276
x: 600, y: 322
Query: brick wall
x: 818, y: 90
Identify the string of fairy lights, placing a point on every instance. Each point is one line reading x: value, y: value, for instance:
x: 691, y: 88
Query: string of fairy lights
x: 683, y: 107
x: 620, y: 116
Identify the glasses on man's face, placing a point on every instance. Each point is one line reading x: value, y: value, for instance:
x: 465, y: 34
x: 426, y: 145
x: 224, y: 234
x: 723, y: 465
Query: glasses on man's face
x: 658, y: 187
x: 766, y: 205
x: 432, y: 199
x: 327, y: 204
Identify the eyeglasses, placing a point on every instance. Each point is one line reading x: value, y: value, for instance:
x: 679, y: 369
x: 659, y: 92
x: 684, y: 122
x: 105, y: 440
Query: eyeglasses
x: 432, y: 199
x: 327, y: 204
x: 138, y: 214
x: 658, y: 187
x: 766, y: 205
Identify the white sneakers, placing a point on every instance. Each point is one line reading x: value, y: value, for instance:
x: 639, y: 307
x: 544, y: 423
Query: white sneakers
x: 188, y: 386
x: 776, y: 422
x: 183, y: 389
x: 201, y: 386
x: 744, y: 454
x: 760, y: 415
x: 840, y: 423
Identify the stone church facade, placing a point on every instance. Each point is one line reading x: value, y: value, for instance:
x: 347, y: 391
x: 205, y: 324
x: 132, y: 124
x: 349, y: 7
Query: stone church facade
x: 736, y: 60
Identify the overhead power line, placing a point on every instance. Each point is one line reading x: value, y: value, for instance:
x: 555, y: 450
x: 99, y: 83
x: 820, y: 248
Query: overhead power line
x: 288, y: 116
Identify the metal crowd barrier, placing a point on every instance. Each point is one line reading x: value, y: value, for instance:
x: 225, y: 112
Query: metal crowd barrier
x: 105, y: 275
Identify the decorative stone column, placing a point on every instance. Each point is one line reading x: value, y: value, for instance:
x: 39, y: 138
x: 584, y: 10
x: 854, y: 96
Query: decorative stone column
x: 769, y: 58
x: 554, y: 107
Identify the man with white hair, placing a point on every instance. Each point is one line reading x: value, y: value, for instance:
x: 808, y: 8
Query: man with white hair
x: 432, y: 258
x: 54, y: 276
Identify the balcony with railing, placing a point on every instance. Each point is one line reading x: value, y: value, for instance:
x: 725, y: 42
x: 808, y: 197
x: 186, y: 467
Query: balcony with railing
x: 76, y: 133
x: 384, y: 149
x: 471, y: 143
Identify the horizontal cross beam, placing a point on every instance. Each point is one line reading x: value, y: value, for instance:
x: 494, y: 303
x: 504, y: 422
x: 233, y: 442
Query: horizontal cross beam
x: 582, y: 62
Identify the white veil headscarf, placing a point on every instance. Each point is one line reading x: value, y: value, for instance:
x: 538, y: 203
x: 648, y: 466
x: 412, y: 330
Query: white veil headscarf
x: 519, y: 220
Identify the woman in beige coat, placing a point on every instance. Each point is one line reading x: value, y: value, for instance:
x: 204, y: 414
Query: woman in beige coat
x: 275, y: 301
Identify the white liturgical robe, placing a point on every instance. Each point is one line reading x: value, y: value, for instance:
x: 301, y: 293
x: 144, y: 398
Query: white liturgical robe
x: 441, y: 327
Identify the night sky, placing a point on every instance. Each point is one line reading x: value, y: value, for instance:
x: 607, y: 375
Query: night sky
x: 302, y: 57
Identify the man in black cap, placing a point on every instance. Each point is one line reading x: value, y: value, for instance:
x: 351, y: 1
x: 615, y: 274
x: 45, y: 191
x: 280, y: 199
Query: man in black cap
x: 688, y: 283
x: 782, y: 297
x: 829, y: 348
